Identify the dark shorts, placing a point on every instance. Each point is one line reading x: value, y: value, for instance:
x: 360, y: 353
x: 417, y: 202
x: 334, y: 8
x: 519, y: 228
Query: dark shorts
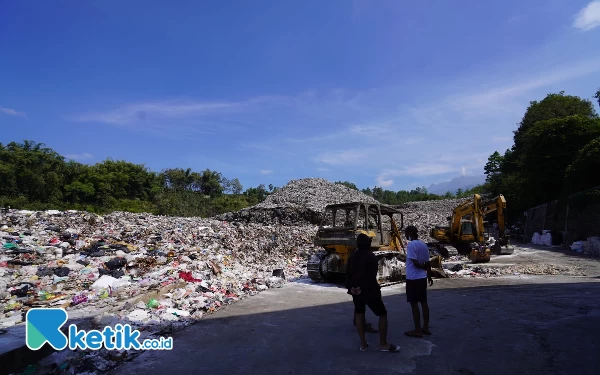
x: 375, y: 303
x: 416, y: 290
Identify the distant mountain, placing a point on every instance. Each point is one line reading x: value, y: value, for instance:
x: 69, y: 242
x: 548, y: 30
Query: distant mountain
x: 462, y: 182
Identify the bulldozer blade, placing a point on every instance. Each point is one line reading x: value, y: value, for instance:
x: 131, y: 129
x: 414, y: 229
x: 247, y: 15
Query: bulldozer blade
x: 477, y: 257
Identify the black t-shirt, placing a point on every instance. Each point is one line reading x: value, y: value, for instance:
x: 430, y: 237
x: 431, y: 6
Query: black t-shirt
x: 362, y: 272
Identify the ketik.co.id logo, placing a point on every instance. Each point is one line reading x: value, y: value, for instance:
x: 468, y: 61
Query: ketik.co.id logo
x: 44, y: 326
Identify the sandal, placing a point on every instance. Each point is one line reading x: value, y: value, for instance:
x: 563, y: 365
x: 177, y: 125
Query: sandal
x: 413, y: 334
x: 425, y: 331
x: 391, y: 349
x: 365, y: 349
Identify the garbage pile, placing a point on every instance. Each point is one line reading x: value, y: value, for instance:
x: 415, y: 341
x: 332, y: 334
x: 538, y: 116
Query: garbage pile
x: 427, y: 214
x: 85, y: 263
x: 479, y: 271
x: 299, y: 202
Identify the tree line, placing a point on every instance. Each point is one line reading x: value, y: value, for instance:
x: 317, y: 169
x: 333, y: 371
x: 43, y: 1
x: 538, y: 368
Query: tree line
x: 33, y: 176
x: 555, y: 153
x: 418, y: 194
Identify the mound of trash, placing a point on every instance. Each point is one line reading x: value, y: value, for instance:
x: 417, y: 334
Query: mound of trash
x: 88, y: 263
x: 428, y: 214
x: 300, y: 202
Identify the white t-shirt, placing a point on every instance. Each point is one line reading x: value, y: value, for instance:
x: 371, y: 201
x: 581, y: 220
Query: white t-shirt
x: 418, y: 250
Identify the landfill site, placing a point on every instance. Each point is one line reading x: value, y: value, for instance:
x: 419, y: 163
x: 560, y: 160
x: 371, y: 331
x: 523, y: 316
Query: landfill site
x: 233, y: 291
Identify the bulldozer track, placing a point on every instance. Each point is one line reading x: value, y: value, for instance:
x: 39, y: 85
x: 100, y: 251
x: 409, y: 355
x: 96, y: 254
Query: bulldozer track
x: 315, y: 263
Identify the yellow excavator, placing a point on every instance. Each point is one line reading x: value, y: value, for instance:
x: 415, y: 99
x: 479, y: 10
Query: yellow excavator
x: 466, y: 233
x: 340, y: 226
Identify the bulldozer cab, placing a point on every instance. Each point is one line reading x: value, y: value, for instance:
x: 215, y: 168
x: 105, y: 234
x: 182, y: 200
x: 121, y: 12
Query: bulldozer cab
x: 342, y: 223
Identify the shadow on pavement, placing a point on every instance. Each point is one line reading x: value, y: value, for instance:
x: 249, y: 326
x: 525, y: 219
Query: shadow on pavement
x: 525, y: 329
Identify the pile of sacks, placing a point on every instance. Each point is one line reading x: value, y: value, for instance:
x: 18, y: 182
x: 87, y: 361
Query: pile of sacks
x: 300, y: 202
x: 590, y: 247
x: 87, y: 263
x: 542, y: 239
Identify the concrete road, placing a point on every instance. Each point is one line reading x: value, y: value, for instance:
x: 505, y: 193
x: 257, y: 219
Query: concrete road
x: 509, y: 325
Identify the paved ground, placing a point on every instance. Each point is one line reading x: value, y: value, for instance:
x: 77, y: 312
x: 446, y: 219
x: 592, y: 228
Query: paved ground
x: 515, y: 324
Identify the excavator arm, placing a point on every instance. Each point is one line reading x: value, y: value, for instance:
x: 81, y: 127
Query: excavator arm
x: 498, y: 205
x: 396, y: 238
x: 474, y: 209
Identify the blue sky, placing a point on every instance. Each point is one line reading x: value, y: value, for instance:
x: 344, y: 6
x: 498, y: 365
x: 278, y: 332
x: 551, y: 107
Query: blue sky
x: 396, y: 94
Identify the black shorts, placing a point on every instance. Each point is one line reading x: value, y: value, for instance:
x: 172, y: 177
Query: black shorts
x: 416, y: 290
x: 375, y: 303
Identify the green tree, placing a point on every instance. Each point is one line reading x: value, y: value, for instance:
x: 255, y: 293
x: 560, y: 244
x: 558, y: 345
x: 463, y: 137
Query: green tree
x: 236, y: 187
x: 211, y: 183
x: 597, y: 96
x: 550, y: 147
x: 493, y: 171
x: 256, y: 195
x: 583, y: 173
x: 551, y: 107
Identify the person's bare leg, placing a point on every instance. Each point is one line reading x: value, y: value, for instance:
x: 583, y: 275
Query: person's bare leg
x: 383, y: 327
x: 425, y: 307
x: 360, y: 325
x: 416, y: 319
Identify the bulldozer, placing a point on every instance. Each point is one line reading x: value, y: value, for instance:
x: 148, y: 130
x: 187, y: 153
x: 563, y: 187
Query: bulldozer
x: 341, y: 225
x: 466, y: 233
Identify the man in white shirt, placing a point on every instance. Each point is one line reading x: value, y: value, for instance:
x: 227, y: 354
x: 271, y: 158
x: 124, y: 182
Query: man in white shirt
x: 418, y: 273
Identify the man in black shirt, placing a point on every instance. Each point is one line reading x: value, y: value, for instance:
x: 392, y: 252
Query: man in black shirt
x: 361, y: 282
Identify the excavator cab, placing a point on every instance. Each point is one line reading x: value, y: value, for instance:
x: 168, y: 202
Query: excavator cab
x: 464, y: 235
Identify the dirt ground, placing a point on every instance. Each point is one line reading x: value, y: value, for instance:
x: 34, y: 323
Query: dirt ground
x: 523, y: 324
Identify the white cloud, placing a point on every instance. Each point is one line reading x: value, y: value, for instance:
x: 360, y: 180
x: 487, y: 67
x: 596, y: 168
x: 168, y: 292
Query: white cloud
x: 342, y: 158
x: 265, y: 172
x: 143, y: 111
x: 370, y: 130
x: 384, y: 183
x: 11, y: 112
x: 498, y: 99
x: 589, y: 17
x: 421, y: 169
x: 83, y: 156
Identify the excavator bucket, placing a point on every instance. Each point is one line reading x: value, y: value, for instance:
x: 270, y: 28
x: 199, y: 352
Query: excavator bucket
x: 480, y: 256
x: 437, y: 268
x: 502, y: 247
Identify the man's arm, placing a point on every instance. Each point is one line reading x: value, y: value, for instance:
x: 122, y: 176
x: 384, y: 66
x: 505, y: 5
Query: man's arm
x: 429, y: 275
x: 349, y: 275
x: 423, y: 266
